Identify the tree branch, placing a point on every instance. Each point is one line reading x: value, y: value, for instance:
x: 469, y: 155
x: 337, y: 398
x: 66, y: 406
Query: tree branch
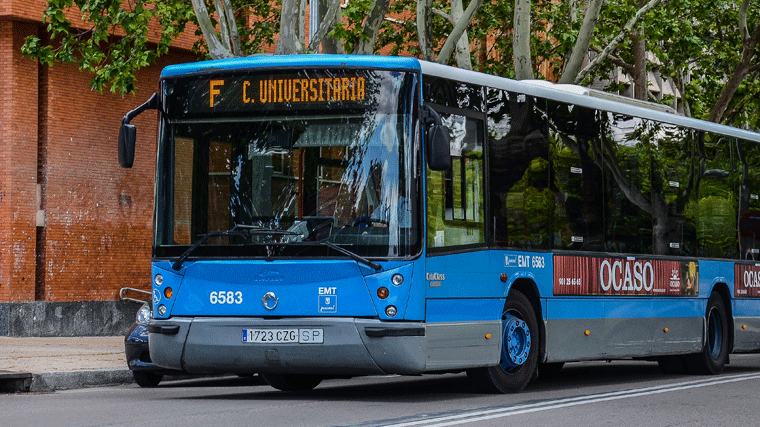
x: 237, y: 48
x: 215, y: 47
x: 457, y: 32
x: 580, y: 49
x: 325, y: 25
x: 371, y: 27
x: 616, y: 41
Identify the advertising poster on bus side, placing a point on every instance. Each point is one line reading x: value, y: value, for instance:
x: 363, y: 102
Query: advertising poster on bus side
x: 629, y: 276
x: 747, y: 280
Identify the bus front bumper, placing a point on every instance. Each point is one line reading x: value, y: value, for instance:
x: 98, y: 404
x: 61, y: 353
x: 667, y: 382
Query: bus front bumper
x: 348, y: 347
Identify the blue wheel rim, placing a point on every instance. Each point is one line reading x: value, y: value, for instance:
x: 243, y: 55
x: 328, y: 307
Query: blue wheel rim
x: 517, y: 342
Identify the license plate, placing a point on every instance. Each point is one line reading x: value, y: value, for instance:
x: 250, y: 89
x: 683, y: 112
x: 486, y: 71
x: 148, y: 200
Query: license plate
x: 284, y: 336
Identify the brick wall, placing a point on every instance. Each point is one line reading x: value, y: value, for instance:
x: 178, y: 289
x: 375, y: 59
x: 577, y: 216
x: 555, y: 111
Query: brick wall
x: 98, y: 216
x: 18, y: 164
x: 58, y: 155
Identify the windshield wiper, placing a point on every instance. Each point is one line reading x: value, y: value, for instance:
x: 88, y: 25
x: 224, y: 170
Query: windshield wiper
x: 352, y: 255
x: 237, y: 230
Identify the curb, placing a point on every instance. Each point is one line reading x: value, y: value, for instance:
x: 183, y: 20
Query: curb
x: 69, y: 380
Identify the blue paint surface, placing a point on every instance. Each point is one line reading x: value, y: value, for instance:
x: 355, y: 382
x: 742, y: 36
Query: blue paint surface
x: 294, y: 61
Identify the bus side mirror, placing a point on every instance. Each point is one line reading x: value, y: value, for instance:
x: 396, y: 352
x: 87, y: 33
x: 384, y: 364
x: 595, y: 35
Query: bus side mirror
x: 127, y: 141
x: 437, y: 141
x: 128, y: 132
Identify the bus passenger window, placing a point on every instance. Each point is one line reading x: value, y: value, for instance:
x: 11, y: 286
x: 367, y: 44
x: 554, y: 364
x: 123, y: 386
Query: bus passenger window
x: 579, y: 182
x: 748, y: 182
x: 521, y: 197
x: 455, y: 197
x: 717, y: 206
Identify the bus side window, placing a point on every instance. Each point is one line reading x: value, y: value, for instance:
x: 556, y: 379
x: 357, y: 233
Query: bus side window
x: 455, y: 197
x: 673, y: 189
x: 718, y: 204
x: 518, y: 148
x: 579, y: 182
x: 748, y: 183
x: 628, y: 225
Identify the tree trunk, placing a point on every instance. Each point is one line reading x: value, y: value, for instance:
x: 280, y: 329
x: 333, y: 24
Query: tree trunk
x: 424, y: 14
x: 216, y: 48
x: 462, y: 50
x: 749, y: 43
x: 607, y: 51
x: 521, y: 41
x: 460, y: 25
x: 371, y: 27
x: 288, y: 43
x: 640, y: 81
x: 574, y: 63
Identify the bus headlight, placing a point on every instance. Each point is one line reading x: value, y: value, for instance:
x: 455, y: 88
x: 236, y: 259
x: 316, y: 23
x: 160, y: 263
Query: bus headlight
x: 158, y: 280
x: 390, y: 311
x: 397, y: 279
x: 161, y: 310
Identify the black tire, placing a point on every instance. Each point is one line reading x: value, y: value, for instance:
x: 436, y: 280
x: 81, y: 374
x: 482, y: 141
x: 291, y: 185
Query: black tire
x: 147, y: 379
x: 292, y: 382
x: 714, y: 355
x: 504, y: 378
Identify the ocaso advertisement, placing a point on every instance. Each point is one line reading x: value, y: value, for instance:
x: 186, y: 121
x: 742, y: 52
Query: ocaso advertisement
x: 747, y: 280
x: 588, y: 275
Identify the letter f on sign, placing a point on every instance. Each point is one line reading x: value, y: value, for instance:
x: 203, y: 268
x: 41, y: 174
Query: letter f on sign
x: 213, y: 90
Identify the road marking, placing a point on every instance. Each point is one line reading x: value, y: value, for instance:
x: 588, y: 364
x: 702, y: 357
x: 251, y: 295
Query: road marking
x: 489, y: 414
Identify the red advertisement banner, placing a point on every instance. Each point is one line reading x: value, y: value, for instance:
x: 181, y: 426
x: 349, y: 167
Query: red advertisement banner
x: 586, y: 275
x: 747, y: 280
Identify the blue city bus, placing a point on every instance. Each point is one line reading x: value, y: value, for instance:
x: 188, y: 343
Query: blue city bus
x: 325, y: 216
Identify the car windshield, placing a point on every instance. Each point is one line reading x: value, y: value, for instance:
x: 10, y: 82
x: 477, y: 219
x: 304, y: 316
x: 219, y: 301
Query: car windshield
x: 344, y: 179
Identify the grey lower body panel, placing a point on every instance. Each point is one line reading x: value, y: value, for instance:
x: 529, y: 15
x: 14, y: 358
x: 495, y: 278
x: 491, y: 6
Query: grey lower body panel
x: 462, y: 345
x: 746, y: 334
x: 215, y: 345
x: 599, y: 339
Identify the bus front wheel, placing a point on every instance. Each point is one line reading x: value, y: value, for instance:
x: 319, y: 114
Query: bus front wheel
x: 519, y: 350
x: 712, y: 359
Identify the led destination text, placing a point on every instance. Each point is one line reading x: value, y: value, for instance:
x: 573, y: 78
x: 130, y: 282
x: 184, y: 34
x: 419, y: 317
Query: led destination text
x: 290, y: 90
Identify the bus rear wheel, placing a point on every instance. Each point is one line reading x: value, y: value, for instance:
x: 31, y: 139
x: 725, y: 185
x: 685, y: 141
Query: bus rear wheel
x: 292, y: 382
x: 712, y: 359
x: 519, y: 352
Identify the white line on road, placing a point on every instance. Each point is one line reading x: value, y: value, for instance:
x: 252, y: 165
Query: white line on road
x: 474, y: 416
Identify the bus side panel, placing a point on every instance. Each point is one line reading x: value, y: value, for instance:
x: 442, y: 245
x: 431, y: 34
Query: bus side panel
x: 678, y: 325
x: 463, y: 311
x: 607, y: 328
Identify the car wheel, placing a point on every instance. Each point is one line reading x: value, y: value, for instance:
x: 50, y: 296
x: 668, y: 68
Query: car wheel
x: 147, y: 379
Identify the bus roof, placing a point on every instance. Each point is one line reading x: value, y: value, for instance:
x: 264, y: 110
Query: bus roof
x: 553, y: 92
x: 291, y: 61
x: 582, y: 97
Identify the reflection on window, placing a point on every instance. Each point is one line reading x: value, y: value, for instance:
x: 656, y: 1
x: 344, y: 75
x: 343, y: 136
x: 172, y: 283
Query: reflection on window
x: 455, y: 197
x: 183, y: 184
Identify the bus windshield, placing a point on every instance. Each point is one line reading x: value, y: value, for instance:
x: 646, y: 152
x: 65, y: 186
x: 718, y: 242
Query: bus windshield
x: 341, y: 176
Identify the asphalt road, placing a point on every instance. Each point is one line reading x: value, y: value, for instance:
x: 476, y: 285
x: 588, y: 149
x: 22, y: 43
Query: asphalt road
x: 625, y: 393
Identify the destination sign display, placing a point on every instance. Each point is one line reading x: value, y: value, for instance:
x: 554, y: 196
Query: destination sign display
x: 259, y: 92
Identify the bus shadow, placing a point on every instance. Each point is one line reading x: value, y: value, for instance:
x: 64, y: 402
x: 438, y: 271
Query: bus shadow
x: 594, y: 376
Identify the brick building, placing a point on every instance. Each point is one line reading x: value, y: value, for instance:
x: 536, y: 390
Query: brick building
x: 74, y: 226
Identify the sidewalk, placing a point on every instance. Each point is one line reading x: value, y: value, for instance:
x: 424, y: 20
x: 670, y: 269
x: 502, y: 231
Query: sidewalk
x: 47, y: 364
